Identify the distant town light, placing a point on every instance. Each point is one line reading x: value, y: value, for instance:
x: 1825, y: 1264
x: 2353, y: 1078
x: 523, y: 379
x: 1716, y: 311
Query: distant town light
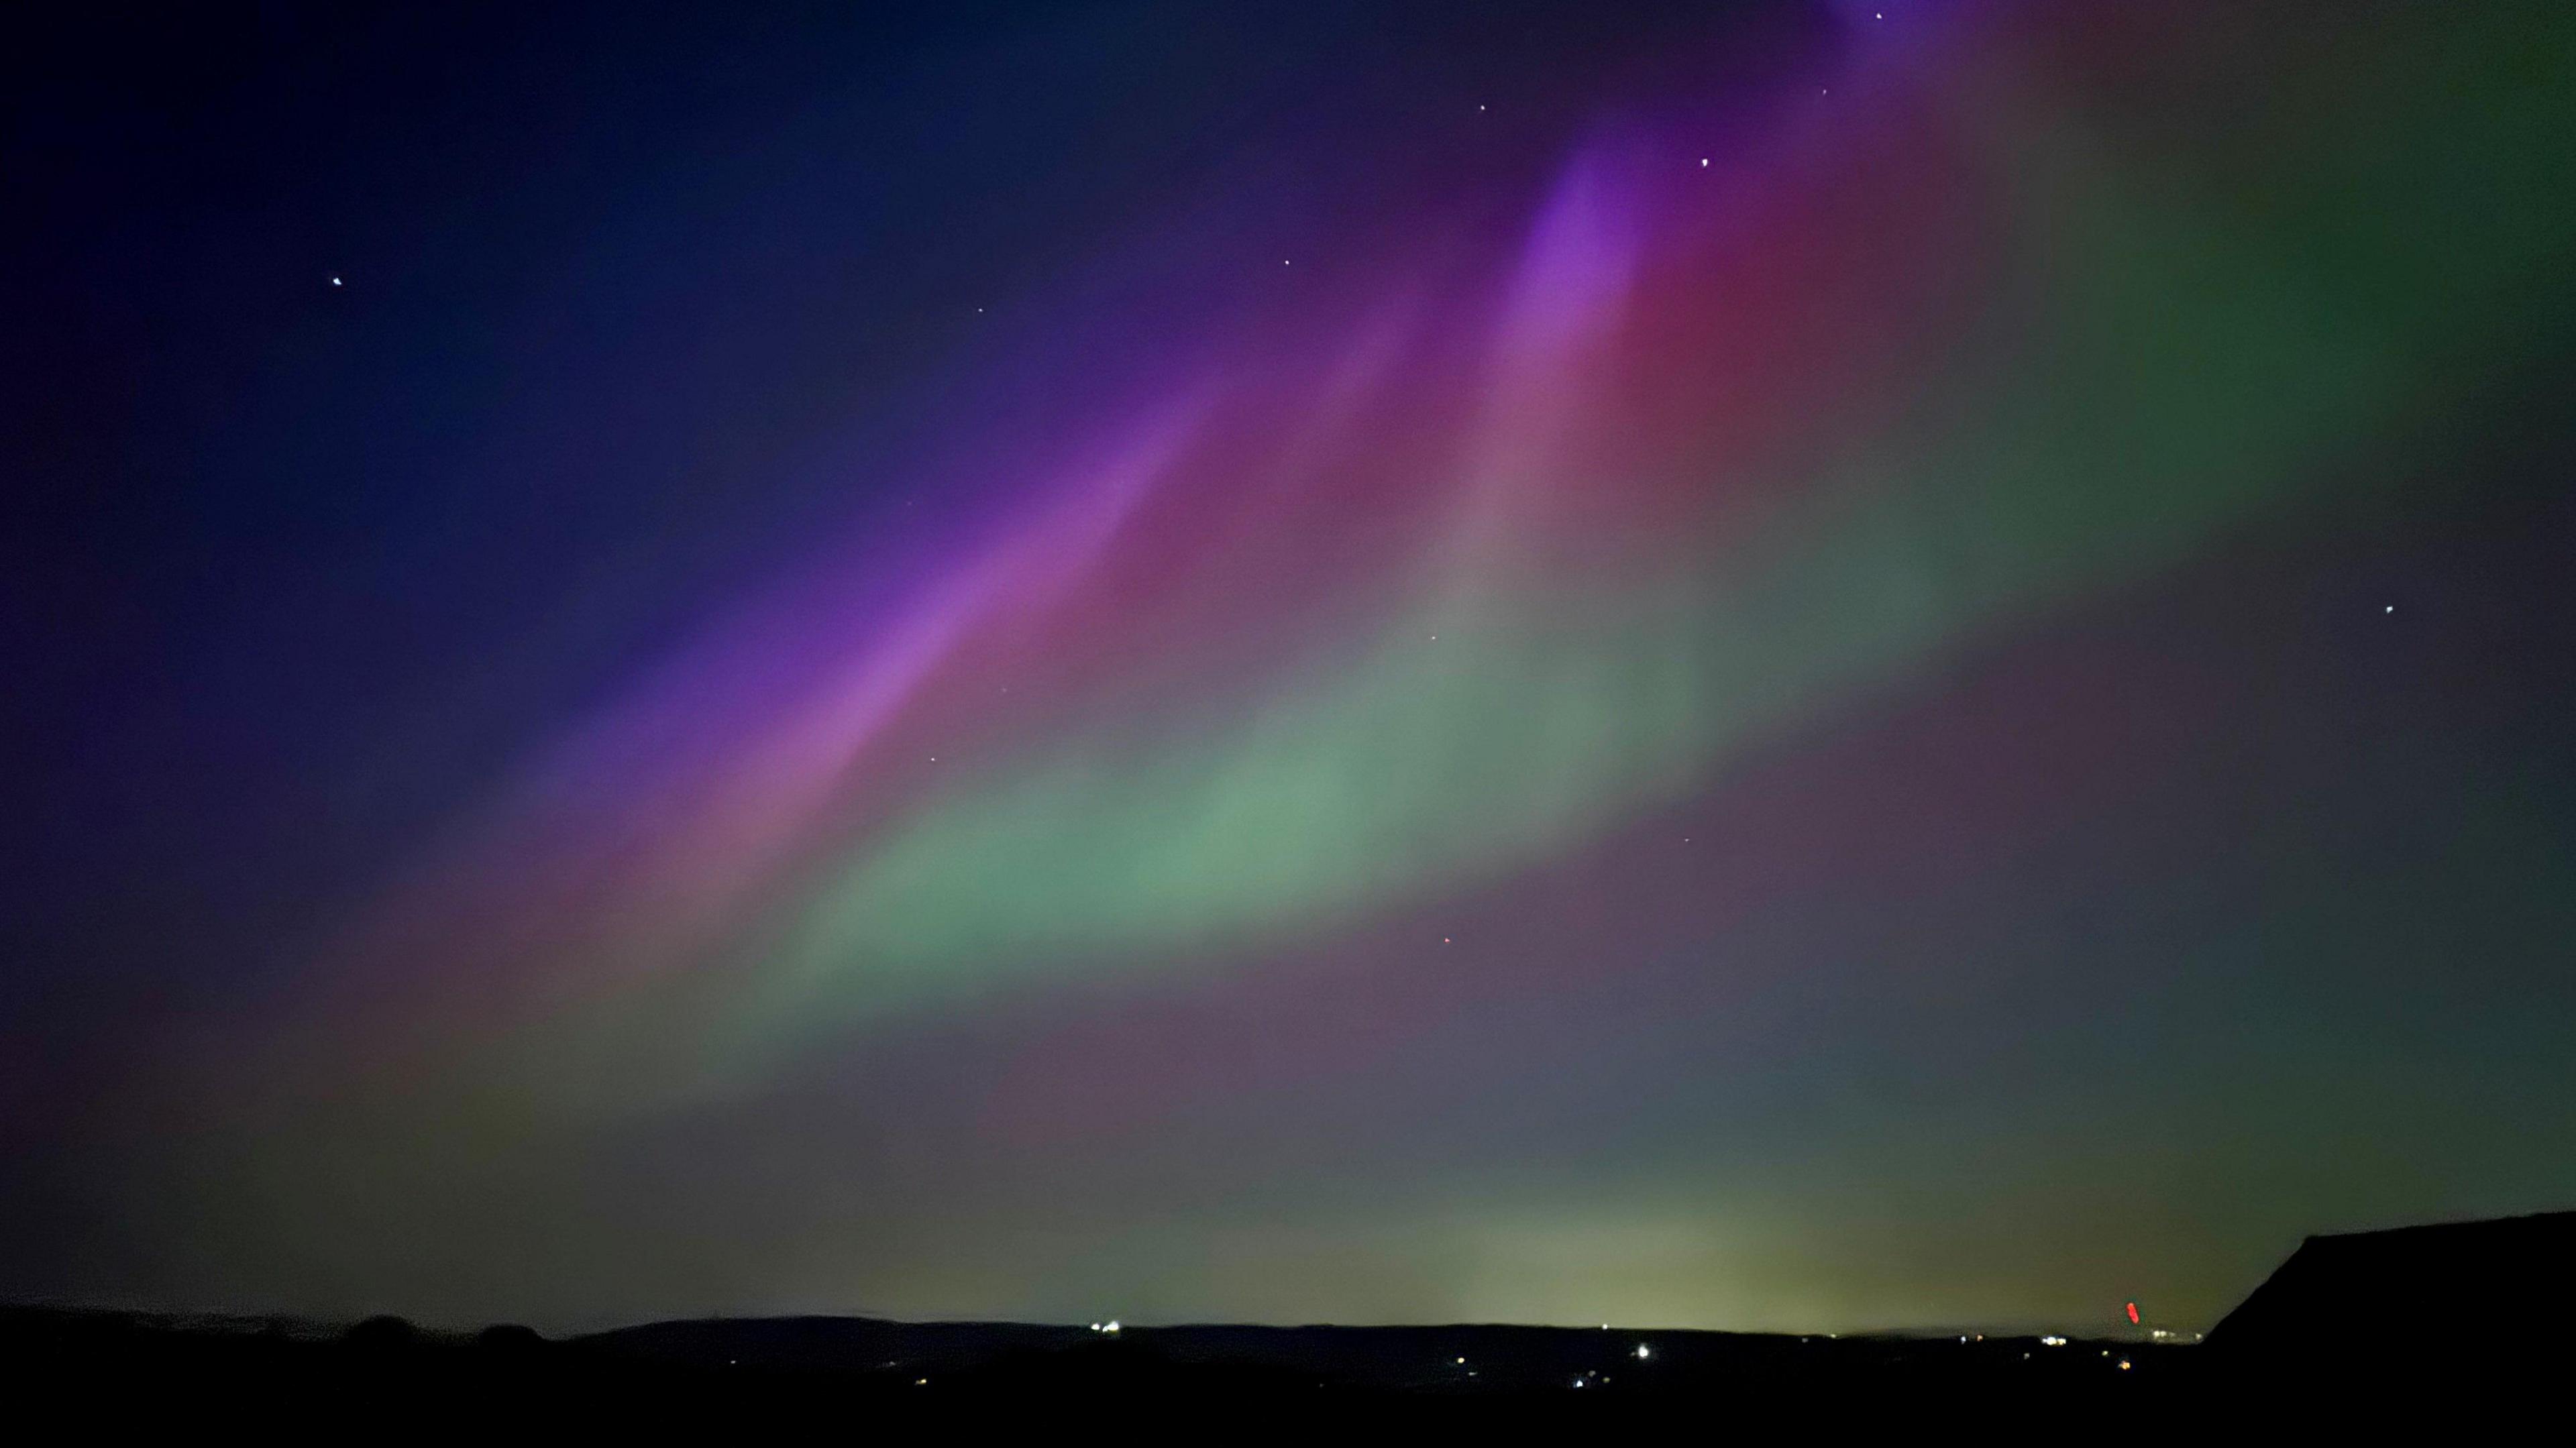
x: 2052, y: 1342
x: 1644, y: 1351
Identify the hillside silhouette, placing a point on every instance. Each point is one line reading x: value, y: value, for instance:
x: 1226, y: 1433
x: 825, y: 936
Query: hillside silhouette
x: 2437, y: 1309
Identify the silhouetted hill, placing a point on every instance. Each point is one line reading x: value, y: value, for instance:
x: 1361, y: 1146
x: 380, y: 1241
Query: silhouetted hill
x: 2468, y: 1307
x: 989, y: 1367
x: 826, y: 1344
x: 1446, y: 1359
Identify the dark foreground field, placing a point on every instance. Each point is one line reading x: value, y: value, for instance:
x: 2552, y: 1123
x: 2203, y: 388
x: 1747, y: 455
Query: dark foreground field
x: 383, y: 1371
x: 2455, y: 1326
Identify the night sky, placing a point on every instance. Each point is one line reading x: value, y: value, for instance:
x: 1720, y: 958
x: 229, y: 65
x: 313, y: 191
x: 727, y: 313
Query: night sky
x: 1766, y: 665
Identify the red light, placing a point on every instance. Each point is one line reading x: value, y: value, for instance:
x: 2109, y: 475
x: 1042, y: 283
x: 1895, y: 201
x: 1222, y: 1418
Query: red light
x: 2133, y: 1314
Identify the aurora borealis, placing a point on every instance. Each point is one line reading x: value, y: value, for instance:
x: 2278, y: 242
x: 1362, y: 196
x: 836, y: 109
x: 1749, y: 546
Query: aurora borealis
x: 1767, y: 666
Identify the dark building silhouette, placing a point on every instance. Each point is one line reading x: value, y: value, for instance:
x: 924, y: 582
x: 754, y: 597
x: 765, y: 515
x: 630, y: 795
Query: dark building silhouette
x: 2413, y: 1303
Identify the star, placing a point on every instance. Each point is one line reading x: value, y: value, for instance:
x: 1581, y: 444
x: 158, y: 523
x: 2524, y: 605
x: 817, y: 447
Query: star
x: 335, y: 281
x: 2392, y: 608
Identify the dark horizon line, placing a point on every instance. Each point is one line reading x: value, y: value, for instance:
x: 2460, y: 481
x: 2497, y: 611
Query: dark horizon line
x: 332, y: 1325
